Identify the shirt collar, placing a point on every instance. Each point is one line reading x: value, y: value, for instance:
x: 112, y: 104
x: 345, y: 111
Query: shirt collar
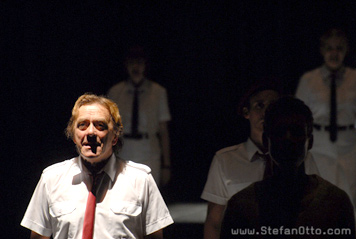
x: 252, y: 149
x: 109, y: 168
x: 325, y: 72
x: 131, y: 87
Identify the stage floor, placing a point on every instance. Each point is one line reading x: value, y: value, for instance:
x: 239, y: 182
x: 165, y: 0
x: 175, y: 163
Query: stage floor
x: 188, y: 221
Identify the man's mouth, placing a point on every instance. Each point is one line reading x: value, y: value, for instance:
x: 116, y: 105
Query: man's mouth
x: 93, y: 146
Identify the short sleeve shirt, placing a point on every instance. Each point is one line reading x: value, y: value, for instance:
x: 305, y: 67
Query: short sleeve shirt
x: 314, y: 90
x: 236, y: 167
x: 153, y: 106
x: 153, y: 109
x: 132, y: 207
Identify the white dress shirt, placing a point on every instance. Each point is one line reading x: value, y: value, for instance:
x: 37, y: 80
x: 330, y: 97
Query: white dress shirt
x: 132, y: 205
x: 153, y: 109
x: 336, y: 161
x: 236, y: 167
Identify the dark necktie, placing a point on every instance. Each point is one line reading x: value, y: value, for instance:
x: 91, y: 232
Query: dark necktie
x: 268, y: 165
x: 333, y: 108
x: 88, y: 225
x: 135, y: 109
x: 134, y: 119
x: 269, y: 168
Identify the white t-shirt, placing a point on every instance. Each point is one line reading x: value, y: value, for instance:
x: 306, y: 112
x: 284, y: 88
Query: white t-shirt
x: 131, y: 208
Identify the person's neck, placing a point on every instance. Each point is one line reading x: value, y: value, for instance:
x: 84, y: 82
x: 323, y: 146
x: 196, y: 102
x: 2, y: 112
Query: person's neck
x: 94, y: 168
x: 256, y: 138
x: 290, y: 178
x: 137, y: 82
x: 335, y: 71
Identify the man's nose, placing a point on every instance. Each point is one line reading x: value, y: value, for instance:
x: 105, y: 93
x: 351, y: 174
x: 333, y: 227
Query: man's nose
x: 91, y: 132
x: 264, y: 111
x: 91, y: 138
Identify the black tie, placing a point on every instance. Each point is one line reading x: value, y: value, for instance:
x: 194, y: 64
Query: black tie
x: 333, y: 108
x: 269, y: 167
x: 134, y: 119
x: 135, y: 109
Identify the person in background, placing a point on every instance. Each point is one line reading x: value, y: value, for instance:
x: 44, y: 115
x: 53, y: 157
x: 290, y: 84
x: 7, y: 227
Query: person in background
x: 289, y: 203
x: 97, y: 194
x: 236, y: 167
x: 145, y: 113
x: 330, y: 93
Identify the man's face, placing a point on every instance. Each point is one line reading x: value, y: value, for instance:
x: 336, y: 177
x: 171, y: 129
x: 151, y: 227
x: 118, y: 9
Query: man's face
x: 258, y: 106
x: 136, y: 69
x: 93, y: 133
x: 288, y: 141
x: 334, y: 52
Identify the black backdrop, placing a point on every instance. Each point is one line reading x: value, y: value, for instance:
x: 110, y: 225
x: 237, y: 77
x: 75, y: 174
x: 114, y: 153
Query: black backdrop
x: 205, y: 53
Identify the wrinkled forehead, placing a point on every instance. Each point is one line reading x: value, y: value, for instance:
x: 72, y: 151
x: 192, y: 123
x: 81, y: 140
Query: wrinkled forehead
x: 92, y: 109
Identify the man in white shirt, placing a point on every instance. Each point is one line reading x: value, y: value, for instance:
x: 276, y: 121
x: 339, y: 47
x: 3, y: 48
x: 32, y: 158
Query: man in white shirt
x: 128, y: 203
x: 236, y: 167
x: 335, y: 158
x: 146, y: 125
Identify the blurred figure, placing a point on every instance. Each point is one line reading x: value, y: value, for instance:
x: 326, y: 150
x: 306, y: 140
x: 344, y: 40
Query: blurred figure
x: 289, y: 199
x: 330, y: 93
x: 144, y: 108
x: 97, y: 194
x: 236, y: 167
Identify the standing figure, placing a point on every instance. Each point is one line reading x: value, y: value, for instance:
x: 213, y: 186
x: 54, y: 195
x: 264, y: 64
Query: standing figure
x: 236, y: 167
x: 330, y: 93
x: 290, y: 203
x: 144, y: 108
x: 97, y: 194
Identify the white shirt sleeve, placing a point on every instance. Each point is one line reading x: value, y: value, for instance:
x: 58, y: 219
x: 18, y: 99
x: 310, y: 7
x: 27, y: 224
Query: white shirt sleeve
x: 164, y: 114
x: 155, y: 212
x: 215, y: 188
x: 37, y: 216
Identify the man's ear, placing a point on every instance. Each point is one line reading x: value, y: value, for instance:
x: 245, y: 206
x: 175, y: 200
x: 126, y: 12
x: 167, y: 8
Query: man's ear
x: 245, y: 112
x: 311, y: 141
x: 114, y: 141
x: 264, y: 140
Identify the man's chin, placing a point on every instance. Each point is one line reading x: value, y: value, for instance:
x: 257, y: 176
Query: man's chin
x: 91, y: 157
x: 333, y: 66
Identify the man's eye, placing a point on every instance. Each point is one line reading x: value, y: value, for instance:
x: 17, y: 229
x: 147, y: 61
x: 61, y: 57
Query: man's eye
x: 101, y: 126
x: 82, y: 125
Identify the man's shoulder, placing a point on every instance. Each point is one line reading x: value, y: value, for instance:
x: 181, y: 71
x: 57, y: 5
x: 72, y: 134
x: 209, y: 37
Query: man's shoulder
x: 117, y: 85
x: 231, y: 149
x: 60, y: 166
x: 60, y: 169
x: 312, y: 73
x: 350, y: 72
x: 328, y: 187
x: 235, y: 152
x: 138, y: 168
x: 155, y: 86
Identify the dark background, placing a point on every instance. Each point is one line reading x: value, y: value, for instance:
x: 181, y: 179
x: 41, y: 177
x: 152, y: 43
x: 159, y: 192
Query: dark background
x: 205, y: 53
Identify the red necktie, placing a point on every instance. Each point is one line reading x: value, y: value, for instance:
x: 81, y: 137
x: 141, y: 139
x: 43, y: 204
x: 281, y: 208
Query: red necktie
x: 88, y: 225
